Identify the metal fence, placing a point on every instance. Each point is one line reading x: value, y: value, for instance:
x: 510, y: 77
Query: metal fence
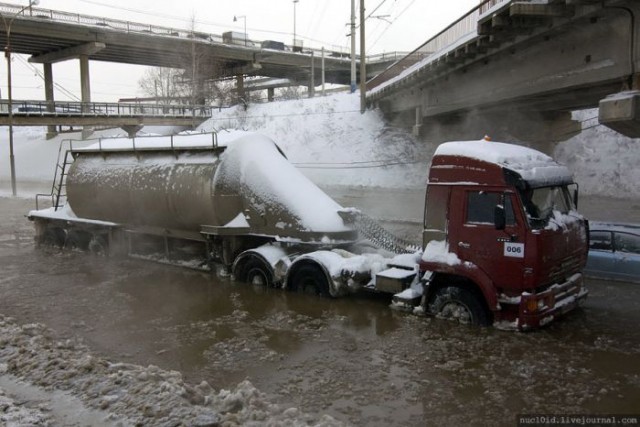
x: 464, y: 26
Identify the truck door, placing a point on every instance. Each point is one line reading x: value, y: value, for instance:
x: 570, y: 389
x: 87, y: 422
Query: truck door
x: 499, y: 253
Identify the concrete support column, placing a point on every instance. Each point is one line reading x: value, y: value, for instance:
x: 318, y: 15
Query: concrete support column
x: 270, y: 94
x: 240, y: 88
x: 48, y: 96
x: 312, y: 78
x: 85, y: 89
x: 85, y: 81
x: 418, y: 124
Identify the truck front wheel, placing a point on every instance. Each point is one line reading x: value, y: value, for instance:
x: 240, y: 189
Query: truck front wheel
x: 458, y: 304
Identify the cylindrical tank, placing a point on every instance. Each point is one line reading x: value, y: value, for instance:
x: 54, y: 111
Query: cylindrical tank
x: 185, y: 189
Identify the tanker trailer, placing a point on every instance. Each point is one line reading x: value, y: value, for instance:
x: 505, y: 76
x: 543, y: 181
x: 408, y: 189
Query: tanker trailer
x: 208, y: 204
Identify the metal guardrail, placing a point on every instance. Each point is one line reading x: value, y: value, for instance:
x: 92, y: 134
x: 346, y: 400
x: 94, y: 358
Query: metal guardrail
x: 135, y: 27
x: 114, y: 109
x: 463, y: 26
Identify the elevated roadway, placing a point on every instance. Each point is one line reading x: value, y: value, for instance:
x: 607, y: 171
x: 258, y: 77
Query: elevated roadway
x: 517, y: 68
x: 51, y: 36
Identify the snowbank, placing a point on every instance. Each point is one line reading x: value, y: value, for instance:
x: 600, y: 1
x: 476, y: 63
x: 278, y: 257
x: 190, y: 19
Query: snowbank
x: 332, y: 143
x: 603, y: 162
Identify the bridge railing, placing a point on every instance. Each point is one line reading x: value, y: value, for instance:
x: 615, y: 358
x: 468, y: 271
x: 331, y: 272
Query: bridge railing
x: 115, y: 109
x: 462, y: 27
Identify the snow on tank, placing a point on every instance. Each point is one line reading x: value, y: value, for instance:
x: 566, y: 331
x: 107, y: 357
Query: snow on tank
x: 276, y: 193
x: 248, y: 187
x: 534, y: 167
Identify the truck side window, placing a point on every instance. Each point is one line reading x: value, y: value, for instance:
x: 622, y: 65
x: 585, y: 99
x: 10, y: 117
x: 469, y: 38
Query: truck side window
x: 481, y: 205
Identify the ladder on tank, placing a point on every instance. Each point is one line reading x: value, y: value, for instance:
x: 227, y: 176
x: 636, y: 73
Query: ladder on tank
x: 59, y: 179
x: 58, y: 193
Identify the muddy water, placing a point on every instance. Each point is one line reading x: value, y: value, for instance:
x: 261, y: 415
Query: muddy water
x: 352, y: 358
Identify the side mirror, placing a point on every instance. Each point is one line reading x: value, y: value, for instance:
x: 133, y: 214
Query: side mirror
x: 499, y: 217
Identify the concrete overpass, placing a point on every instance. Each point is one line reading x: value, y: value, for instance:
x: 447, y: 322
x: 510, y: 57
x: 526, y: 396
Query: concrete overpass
x: 50, y: 36
x: 517, y: 68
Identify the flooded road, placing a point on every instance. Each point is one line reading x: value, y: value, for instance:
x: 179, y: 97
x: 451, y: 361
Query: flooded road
x: 352, y: 358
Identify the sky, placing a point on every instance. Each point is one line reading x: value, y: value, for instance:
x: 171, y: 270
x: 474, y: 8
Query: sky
x: 393, y: 25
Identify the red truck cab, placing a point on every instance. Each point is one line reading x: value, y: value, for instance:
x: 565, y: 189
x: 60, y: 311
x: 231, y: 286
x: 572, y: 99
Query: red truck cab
x: 503, y: 241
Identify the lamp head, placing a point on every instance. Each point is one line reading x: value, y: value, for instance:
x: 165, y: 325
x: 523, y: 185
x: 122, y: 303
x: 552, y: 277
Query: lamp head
x: 34, y: 2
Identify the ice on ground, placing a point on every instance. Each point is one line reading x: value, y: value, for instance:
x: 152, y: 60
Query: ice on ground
x: 120, y: 393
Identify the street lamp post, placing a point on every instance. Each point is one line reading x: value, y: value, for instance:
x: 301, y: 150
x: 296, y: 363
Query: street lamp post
x: 235, y: 19
x: 294, y: 24
x: 7, y: 54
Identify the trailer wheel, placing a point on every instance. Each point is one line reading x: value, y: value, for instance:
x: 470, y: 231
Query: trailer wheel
x: 310, y: 279
x: 77, y: 240
x: 98, y: 245
x: 460, y: 305
x: 255, y: 272
x: 53, y: 236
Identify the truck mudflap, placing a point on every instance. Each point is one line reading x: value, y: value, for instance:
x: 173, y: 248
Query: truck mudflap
x: 537, y: 310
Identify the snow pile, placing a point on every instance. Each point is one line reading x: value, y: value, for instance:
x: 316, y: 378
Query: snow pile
x: 332, y: 143
x: 603, y: 162
x: 13, y: 413
x: 438, y: 251
x: 125, y: 393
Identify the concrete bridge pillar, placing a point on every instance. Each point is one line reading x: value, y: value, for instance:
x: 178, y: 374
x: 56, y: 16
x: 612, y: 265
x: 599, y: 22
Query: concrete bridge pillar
x: 48, y: 96
x: 240, y: 88
x: 85, y: 89
x: 85, y: 81
x: 270, y: 94
x: 418, y: 125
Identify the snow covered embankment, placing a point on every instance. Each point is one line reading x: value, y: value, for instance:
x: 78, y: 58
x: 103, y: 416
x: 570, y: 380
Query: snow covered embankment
x: 118, y: 393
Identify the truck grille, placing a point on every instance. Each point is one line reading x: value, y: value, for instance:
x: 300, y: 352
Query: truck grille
x: 559, y: 272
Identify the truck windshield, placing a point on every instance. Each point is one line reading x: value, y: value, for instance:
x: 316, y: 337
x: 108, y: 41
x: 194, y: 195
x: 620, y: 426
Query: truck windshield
x: 540, y: 203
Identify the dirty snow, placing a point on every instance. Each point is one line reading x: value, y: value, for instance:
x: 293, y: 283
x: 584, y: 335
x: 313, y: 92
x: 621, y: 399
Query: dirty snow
x: 49, y: 376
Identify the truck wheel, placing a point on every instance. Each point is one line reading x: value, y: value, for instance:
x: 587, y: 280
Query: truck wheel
x: 310, y: 279
x: 458, y: 304
x: 256, y: 273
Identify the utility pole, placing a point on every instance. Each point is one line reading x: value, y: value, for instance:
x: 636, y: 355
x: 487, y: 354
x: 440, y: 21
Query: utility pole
x: 294, y: 25
x: 363, y: 68
x: 353, y: 46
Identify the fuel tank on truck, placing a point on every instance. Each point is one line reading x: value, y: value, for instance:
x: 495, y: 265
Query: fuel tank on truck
x: 249, y: 184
